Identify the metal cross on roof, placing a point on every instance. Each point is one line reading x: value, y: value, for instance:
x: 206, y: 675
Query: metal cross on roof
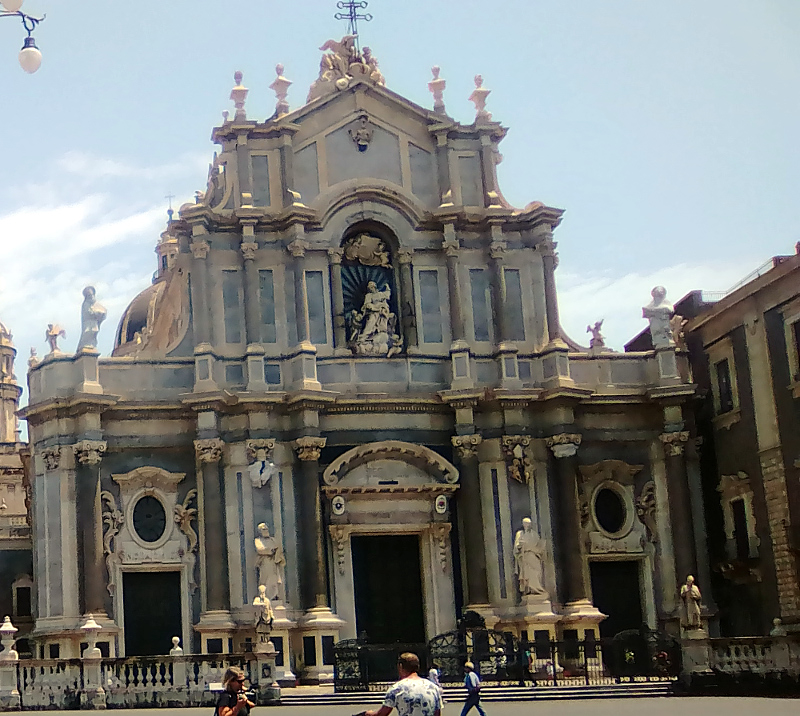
x: 352, y: 15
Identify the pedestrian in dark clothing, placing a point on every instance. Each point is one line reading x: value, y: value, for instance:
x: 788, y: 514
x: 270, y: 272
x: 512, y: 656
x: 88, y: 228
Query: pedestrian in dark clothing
x: 473, y: 683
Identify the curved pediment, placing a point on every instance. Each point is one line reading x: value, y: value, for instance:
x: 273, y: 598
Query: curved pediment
x: 391, y: 460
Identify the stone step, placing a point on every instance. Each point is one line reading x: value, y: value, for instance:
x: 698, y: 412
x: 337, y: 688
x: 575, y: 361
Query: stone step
x: 493, y: 694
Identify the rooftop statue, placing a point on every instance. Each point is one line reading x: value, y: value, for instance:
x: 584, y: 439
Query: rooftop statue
x: 342, y: 64
x: 92, y: 315
x: 658, y: 312
x: 52, y: 334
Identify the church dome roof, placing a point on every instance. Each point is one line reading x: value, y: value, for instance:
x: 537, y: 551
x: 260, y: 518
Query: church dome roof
x: 136, y: 317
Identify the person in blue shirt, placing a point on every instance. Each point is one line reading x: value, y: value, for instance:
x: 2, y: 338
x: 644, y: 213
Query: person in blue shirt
x: 473, y: 683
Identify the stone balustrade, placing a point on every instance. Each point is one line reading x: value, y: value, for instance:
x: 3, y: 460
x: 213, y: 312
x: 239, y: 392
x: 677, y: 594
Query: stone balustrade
x: 743, y: 657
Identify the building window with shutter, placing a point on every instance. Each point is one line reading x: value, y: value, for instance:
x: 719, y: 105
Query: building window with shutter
x: 266, y: 293
x: 481, y: 307
x: 430, y: 306
x: 232, y: 314
x: 722, y: 369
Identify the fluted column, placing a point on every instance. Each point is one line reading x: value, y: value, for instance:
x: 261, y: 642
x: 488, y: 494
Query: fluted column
x: 313, y: 574
x: 209, y: 454
x: 337, y: 292
x: 451, y: 247
x: 88, y: 455
x: 298, y: 249
x: 252, y: 318
x: 407, y: 310
x: 680, y: 504
x: 568, y: 521
x: 547, y: 247
x: 497, y: 251
x: 201, y: 317
x: 469, y: 507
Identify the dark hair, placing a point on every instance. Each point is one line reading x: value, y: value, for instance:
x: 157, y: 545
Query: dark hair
x: 409, y: 662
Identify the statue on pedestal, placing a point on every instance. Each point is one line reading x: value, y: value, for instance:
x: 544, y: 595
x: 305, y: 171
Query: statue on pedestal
x: 269, y: 567
x: 658, y: 312
x: 372, y: 329
x: 529, y: 554
x: 264, y: 617
x: 92, y: 315
x: 691, y: 598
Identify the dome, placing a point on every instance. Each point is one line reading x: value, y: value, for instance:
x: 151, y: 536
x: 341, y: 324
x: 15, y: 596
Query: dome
x: 133, y: 325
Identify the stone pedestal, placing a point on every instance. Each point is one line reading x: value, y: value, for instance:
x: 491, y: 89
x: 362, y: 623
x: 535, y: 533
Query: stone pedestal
x: 317, y: 624
x: 304, y: 368
x: 87, y: 371
x: 268, y: 689
x: 282, y: 626
x: 256, y: 382
x: 581, y: 615
x: 216, y: 624
x: 9, y: 659
x: 461, y: 376
x: 204, y: 369
x: 696, y: 652
x: 93, y: 695
x: 509, y: 367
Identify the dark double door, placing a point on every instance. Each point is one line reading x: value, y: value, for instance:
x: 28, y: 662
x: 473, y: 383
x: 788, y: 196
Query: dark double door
x: 152, y: 612
x: 616, y: 592
x: 388, y: 589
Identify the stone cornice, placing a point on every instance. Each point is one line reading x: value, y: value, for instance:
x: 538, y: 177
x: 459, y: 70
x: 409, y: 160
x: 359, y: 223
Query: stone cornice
x: 430, y: 489
x: 76, y: 404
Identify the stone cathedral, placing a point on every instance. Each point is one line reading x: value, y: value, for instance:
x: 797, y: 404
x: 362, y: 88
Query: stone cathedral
x: 348, y: 383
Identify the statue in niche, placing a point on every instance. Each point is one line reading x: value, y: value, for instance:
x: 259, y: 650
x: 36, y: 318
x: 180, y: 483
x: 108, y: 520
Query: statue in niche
x: 361, y: 134
x: 658, y: 312
x: 270, y: 563
x: 691, y: 598
x: 529, y: 554
x: 372, y: 330
x: 365, y: 249
x: 92, y: 315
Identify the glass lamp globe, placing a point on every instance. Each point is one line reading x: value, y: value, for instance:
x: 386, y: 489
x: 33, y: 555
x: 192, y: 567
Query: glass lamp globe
x: 11, y: 5
x: 30, y: 59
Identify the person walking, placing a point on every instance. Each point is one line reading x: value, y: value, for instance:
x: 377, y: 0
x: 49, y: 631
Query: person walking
x: 433, y: 676
x: 473, y: 683
x: 412, y: 695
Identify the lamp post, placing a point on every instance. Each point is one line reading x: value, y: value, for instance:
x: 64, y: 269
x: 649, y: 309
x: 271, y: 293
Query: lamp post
x: 29, y: 56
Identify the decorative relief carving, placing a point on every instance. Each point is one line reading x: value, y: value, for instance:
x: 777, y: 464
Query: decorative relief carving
x: 441, y: 533
x: 51, y: 458
x: 466, y: 446
x: 615, y: 470
x: 89, y: 452
x: 405, y: 256
x: 298, y: 248
x: 361, y: 133
x: 646, y: 509
x: 199, y: 248
x: 249, y: 249
x: 564, y: 444
x: 339, y: 535
x: 518, y: 461
x: 367, y: 250
x: 674, y: 443
x: 209, y: 450
x: 497, y: 249
x: 113, y: 519
x: 308, y: 448
x: 373, y: 329
x: 259, y: 449
x: 184, y: 515
x: 341, y: 65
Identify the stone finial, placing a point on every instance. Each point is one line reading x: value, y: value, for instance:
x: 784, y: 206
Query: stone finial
x: 436, y: 87
x: 239, y: 95
x: 280, y: 86
x: 225, y: 115
x: 478, y: 98
x: 7, y: 638
x: 176, y: 649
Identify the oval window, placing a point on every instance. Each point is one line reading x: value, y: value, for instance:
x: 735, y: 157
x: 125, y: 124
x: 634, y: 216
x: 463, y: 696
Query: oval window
x: 149, y: 519
x: 609, y: 510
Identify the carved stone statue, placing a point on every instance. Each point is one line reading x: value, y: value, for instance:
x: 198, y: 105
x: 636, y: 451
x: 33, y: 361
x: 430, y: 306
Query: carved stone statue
x: 691, y: 598
x: 478, y: 98
x: 341, y: 64
x: 658, y: 312
x: 269, y: 567
x: 676, y: 325
x: 52, y: 334
x: 365, y: 249
x: 361, y: 134
x: 529, y: 554
x: 597, y: 340
x: 92, y: 315
x: 372, y: 329
x: 264, y: 617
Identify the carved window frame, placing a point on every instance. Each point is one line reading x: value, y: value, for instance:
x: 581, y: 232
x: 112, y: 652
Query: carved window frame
x: 24, y: 581
x: 720, y: 351
x: 791, y: 323
x: 732, y: 488
x: 625, y: 495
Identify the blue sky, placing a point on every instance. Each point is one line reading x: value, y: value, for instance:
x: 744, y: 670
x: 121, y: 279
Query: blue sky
x: 667, y: 129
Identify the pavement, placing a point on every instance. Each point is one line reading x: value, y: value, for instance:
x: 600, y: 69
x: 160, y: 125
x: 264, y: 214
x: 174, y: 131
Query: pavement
x: 668, y: 706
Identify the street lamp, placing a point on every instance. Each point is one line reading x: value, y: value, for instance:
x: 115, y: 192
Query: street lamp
x: 29, y: 56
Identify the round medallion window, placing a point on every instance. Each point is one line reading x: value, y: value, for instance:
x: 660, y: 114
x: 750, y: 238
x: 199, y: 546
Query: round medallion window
x: 609, y: 510
x: 149, y: 519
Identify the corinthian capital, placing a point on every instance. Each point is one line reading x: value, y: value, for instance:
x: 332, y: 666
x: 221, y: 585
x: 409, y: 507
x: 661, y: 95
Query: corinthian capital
x: 518, y: 460
x: 564, y: 444
x: 200, y: 248
x: 298, y: 248
x: 51, y: 458
x: 335, y: 256
x: 208, y: 450
x: 308, y: 448
x: 674, y: 443
x: 259, y: 449
x: 405, y: 256
x: 89, y: 452
x: 249, y: 249
x: 466, y: 445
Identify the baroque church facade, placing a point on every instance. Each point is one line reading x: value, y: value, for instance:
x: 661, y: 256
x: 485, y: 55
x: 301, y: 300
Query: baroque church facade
x: 348, y: 383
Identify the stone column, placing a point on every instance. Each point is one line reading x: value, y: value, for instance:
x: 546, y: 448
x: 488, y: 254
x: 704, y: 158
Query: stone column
x: 497, y: 251
x: 209, y: 454
x: 407, y: 307
x: 680, y: 504
x: 313, y: 573
x: 201, y: 318
x: 469, y: 504
x: 252, y: 314
x: 547, y: 247
x: 339, y: 328
x: 88, y: 454
x: 298, y: 249
x: 451, y: 247
x: 573, y: 585
x: 443, y: 168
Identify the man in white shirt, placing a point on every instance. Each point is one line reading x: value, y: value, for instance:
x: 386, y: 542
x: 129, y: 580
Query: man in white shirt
x: 412, y: 695
x: 473, y: 683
